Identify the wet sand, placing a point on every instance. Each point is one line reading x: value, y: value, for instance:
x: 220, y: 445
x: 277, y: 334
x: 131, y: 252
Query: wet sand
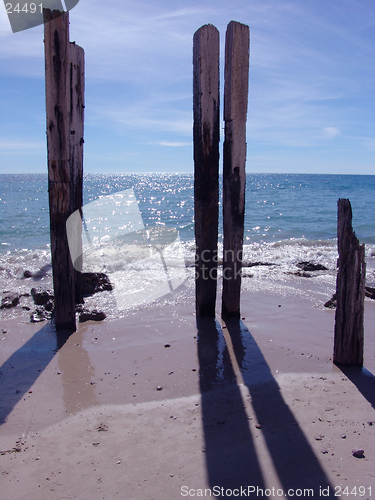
x: 147, y: 407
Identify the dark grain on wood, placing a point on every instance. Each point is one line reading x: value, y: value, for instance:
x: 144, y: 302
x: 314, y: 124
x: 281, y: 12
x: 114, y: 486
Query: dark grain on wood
x: 76, y: 123
x: 206, y: 165
x: 234, y: 176
x: 350, y: 291
x: 64, y: 71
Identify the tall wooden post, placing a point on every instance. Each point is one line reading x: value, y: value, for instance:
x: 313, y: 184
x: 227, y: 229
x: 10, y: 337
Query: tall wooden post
x: 64, y: 97
x: 237, y: 46
x: 76, y: 123
x: 350, y: 291
x: 206, y: 133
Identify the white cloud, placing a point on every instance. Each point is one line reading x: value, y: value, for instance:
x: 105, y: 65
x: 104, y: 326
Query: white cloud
x: 310, y: 67
x: 331, y: 132
x: 20, y: 146
x: 144, y: 116
x: 173, y: 144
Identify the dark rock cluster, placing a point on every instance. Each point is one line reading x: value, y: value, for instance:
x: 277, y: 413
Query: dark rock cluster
x: 41, y: 296
x: 10, y: 300
x: 93, y: 315
x: 44, y: 299
x: 306, y: 267
x: 332, y: 302
x: 310, y: 266
x: 94, y: 283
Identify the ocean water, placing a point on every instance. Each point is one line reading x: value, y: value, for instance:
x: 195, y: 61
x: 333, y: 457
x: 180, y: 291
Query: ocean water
x: 288, y: 219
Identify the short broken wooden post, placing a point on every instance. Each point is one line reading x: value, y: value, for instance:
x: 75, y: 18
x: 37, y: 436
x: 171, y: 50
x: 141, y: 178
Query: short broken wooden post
x: 237, y: 46
x: 206, y: 133
x: 64, y: 96
x: 350, y: 291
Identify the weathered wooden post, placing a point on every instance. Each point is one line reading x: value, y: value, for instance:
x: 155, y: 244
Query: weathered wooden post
x: 76, y: 123
x: 350, y: 291
x: 64, y: 97
x: 206, y: 133
x: 237, y: 46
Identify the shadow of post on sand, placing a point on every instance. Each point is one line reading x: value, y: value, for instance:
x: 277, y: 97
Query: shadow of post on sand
x: 229, y: 448
x: 20, y: 371
x: 294, y: 460
x: 363, y: 379
x: 231, y: 456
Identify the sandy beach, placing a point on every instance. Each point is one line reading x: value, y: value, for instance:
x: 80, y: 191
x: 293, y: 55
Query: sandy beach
x: 151, y: 406
x: 156, y: 157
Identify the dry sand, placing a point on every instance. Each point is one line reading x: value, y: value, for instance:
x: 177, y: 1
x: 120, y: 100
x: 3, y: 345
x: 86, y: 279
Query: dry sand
x: 146, y: 408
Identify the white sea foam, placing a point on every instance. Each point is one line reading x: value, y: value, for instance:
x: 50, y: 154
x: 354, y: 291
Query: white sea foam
x: 289, y: 219
x: 143, y: 280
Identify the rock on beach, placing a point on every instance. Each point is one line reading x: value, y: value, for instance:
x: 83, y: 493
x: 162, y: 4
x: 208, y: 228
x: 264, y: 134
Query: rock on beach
x: 10, y: 300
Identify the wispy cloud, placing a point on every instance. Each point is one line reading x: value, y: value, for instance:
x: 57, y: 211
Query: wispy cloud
x: 331, y: 132
x: 312, y: 78
x: 140, y: 119
x: 172, y: 144
x: 20, y: 146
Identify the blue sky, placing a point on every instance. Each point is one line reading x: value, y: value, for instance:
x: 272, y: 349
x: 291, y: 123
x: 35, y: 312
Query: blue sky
x: 311, y: 99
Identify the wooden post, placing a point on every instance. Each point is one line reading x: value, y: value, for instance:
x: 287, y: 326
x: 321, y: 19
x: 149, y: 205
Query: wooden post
x: 206, y: 166
x: 350, y: 291
x: 76, y: 122
x: 237, y: 45
x: 64, y: 101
